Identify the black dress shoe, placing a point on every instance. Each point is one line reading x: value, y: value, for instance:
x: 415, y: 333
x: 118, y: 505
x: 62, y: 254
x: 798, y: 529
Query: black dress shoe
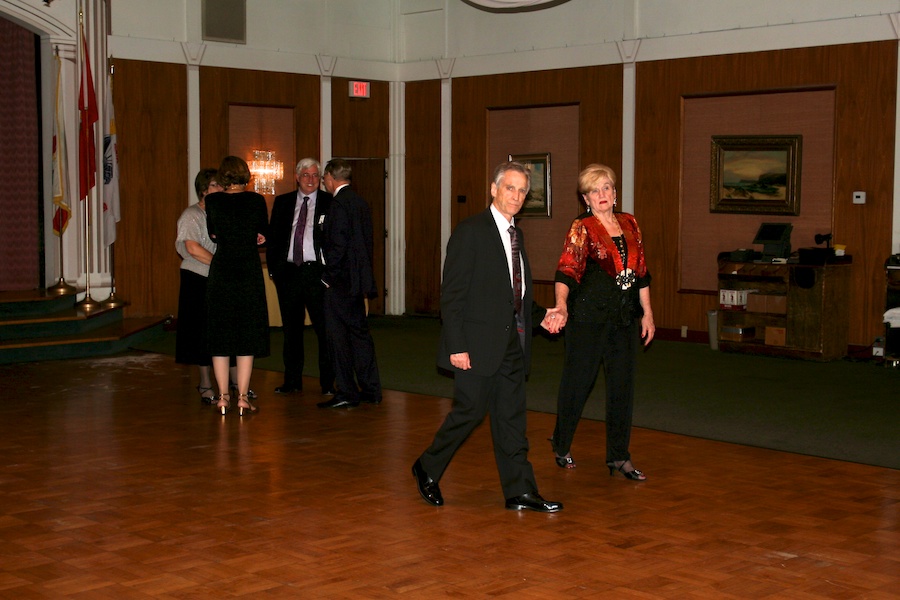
x: 428, y: 487
x: 370, y: 398
x: 338, y: 402
x: 533, y: 501
x: 287, y: 389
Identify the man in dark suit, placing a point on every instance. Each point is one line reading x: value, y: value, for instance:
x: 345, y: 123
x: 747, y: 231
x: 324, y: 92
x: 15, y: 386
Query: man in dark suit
x: 294, y: 259
x: 349, y: 280
x: 488, y: 311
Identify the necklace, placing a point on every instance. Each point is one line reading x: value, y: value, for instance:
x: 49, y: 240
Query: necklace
x: 613, y: 227
x: 626, y: 277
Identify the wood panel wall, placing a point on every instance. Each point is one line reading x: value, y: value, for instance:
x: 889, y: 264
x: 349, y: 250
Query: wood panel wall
x: 151, y: 112
x: 151, y: 128
x: 809, y: 114
x: 864, y: 77
x: 360, y: 126
x: 221, y: 87
x: 596, y: 90
x: 423, y: 197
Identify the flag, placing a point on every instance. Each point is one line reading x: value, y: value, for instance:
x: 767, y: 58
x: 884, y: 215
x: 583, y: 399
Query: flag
x: 58, y: 167
x: 87, y: 110
x: 111, y: 214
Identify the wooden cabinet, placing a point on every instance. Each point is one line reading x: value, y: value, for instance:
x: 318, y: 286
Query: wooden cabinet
x: 792, y: 310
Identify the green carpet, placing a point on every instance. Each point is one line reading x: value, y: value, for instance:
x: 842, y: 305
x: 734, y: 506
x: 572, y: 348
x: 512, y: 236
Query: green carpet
x: 846, y: 410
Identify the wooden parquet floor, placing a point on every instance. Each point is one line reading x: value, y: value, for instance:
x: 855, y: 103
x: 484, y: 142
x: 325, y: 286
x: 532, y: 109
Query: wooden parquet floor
x: 115, y: 482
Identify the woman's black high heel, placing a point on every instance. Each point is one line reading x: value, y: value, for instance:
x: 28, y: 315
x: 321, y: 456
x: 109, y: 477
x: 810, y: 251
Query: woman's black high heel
x: 563, y: 462
x: 633, y: 474
x: 206, y: 399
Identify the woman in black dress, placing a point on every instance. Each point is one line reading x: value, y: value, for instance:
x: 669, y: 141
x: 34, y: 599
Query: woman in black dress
x: 238, y: 321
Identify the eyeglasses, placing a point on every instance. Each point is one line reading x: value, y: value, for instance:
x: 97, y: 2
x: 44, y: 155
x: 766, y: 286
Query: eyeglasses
x: 309, y: 176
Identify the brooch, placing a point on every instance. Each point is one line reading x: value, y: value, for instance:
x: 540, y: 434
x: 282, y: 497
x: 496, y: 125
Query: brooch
x: 625, y: 278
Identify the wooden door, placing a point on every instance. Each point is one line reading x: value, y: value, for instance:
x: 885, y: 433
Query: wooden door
x: 368, y: 179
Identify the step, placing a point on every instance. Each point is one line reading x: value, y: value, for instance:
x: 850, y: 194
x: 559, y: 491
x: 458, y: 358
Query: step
x: 27, y: 303
x: 107, y: 339
x: 67, y: 321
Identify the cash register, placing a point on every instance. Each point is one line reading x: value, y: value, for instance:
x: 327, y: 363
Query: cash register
x: 776, y: 242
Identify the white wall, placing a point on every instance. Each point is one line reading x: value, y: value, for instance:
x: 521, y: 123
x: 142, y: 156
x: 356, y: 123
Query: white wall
x: 666, y: 18
x: 401, y: 39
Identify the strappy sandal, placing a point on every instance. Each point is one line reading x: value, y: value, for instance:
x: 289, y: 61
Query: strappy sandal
x: 206, y: 399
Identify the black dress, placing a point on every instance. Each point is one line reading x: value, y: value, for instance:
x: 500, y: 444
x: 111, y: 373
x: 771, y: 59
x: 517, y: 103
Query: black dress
x: 238, y: 318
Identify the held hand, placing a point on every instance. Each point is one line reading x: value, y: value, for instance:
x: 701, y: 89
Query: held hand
x: 461, y: 361
x: 260, y: 239
x: 554, y: 320
x: 648, y: 329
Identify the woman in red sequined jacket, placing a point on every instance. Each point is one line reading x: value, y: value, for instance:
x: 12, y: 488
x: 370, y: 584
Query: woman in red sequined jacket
x: 602, y: 283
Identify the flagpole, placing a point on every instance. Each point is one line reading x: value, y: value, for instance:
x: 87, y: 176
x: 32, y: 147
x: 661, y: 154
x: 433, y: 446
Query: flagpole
x: 61, y: 288
x: 110, y: 153
x: 88, y: 304
x: 112, y: 301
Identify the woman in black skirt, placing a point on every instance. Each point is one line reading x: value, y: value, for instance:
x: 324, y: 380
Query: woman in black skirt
x: 196, y: 248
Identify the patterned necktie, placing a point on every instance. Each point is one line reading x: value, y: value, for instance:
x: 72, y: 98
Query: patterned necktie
x: 516, y: 269
x: 299, y: 231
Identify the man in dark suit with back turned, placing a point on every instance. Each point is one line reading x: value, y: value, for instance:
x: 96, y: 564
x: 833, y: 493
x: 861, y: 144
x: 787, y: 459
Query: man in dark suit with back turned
x: 488, y: 311
x: 349, y: 280
x: 298, y: 219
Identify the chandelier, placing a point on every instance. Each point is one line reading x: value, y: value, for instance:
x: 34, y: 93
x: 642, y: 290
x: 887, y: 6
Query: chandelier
x: 266, y: 171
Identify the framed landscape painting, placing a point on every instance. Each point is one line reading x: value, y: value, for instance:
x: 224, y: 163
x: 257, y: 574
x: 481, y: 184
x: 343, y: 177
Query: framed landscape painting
x: 537, y: 202
x: 755, y: 174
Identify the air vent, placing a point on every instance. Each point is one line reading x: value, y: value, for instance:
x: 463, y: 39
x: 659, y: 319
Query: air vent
x: 225, y: 21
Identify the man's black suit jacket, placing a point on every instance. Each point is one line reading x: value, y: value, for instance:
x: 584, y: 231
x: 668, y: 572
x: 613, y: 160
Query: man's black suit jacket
x: 477, y: 297
x: 281, y: 226
x: 349, y: 245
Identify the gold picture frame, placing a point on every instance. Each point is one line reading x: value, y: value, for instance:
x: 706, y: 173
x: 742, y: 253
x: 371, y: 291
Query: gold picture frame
x: 537, y: 202
x: 757, y: 174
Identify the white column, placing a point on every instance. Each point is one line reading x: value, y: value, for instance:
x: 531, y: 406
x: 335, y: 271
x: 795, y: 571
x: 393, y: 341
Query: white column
x: 325, y: 121
x: 193, y: 129
x: 395, y: 249
x: 326, y: 69
x: 193, y: 50
x: 193, y: 57
x: 628, y: 51
x: 895, y: 228
x: 445, y: 68
x: 626, y: 179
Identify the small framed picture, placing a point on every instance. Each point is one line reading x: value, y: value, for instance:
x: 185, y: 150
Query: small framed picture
x: 537, y: 202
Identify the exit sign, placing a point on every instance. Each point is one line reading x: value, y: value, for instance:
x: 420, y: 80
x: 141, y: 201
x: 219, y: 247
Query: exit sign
x: 360, y: 89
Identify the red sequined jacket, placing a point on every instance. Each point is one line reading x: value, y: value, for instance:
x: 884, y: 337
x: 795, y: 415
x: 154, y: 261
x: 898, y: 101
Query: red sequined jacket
x: 603, y: 286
